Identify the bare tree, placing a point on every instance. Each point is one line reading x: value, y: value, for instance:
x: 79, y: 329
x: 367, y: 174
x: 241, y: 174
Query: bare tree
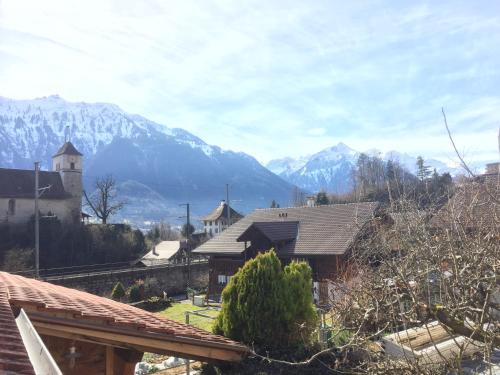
x: 103, y: 201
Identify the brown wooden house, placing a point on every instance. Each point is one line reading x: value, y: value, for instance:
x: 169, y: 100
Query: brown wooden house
x: 320, y: 235
x: 72, y: 332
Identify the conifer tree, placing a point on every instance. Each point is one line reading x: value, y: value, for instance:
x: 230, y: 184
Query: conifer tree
x: 267, y: 306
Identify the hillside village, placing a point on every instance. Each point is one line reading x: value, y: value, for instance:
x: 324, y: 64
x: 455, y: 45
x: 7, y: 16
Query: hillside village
x: 346, y: 242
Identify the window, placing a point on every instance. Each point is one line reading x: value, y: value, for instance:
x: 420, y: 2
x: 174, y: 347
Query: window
x: 12, y: 207
x: 58, y: 167
x: 222, y: 279
x: 72, y: 165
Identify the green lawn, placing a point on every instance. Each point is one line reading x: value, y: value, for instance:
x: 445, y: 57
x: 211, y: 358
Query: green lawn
x: 177, y: 312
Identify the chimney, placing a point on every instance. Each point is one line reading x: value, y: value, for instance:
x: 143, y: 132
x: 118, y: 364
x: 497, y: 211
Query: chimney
x: 311, y: 201
x: 222, y: 202
x: 493, y: 168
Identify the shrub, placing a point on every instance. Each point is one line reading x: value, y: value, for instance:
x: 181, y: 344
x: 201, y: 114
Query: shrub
x: 266, y: 306
x: 134, y: 293
x: 118, y: 292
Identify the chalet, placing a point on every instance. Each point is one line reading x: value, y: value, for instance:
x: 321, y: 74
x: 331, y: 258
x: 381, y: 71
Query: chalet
x: 321, y: 235
x: 217, y: 221
x: 50, y: 329
x: 62, y: 198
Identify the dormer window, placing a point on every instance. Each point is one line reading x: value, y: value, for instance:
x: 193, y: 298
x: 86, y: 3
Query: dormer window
x: 72, y: 166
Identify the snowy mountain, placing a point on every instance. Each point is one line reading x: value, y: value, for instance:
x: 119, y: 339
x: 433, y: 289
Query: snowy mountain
x: 157, y: 167
x: 331, y: 169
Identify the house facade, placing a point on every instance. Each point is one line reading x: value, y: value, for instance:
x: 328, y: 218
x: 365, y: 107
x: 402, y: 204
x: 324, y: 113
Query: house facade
x: 322, y: 236
x: 62, y: 198
x: 217, y: 221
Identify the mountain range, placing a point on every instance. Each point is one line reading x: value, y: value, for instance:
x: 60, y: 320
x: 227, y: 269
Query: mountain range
x: 331, y: 169
x: 156, y: 167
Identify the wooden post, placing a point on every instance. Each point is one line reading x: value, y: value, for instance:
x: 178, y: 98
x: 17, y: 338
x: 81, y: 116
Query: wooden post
x: 110, y: 360
x: 188, y: 367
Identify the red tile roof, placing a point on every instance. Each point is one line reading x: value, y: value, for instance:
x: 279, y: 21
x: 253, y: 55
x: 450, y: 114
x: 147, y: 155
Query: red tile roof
x: 47, y: 299
x: 13, y: 356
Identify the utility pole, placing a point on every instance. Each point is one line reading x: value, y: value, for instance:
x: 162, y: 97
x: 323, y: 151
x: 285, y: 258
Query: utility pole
x: 38, y: 192
x: 37, y: 223
x: 228, y: 207
x: 188, y: 248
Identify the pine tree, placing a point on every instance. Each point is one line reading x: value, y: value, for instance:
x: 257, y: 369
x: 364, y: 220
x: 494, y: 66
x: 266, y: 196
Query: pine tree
x: 322, y: 198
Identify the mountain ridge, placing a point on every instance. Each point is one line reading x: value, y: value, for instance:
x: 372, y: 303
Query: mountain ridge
x: 171, y: 162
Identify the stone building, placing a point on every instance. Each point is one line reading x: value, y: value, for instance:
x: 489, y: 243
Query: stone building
x: 62, y: 198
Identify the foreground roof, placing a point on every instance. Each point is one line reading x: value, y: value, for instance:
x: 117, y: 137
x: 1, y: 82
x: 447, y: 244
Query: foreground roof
x: 20, y: 183
x: 58, y: 311
x: 13, y: 356
x: 221, y: 211
x: 322, y: 230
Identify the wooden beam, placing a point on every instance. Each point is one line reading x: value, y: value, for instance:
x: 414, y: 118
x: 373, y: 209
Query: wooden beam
x: 110, y: 360
x: 155, y: 345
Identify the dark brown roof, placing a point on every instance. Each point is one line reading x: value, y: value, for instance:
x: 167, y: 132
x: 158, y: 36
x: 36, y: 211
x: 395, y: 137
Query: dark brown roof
x: 273, y: 230
x: 68, y: 149
x: 221, y: 211
x: 13, y: 356
x: 41, y: 300
x: 20, y: 183
x: 321, y: 230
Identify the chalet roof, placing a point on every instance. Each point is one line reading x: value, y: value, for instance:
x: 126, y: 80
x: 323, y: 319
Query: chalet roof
x: 20, y: 183
x: 162, y: 252
x: 274, y: 230
x: 70, y: 310
x: 322, y: 230
x: 221, y: 211
x: 68, y: 149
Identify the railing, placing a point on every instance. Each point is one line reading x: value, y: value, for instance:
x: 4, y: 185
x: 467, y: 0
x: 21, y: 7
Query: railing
x: 50, y: 274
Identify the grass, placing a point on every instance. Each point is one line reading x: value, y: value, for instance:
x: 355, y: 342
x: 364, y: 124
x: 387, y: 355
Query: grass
x: 177, y: 312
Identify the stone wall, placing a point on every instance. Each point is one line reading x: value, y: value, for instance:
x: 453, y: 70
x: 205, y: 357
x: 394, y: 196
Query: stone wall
x: 171, y: 278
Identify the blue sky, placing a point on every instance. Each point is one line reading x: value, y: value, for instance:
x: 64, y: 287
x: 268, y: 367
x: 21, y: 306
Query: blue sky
x: 271, y: 78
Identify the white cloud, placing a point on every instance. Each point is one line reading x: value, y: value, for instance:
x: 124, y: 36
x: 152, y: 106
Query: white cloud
x: 268, y: 78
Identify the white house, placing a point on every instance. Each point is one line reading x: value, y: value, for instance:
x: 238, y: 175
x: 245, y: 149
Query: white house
x: 217, y: 221
x: 63, y: 198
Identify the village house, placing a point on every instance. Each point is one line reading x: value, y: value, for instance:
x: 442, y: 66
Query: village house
x: 322, y: 236
x: 217, y: 221
x: 62, y: 198
x: 50, y: 329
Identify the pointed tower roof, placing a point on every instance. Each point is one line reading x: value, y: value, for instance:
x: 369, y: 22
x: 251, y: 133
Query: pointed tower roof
x: 68, y: 149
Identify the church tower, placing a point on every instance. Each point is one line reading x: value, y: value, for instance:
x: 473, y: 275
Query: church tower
x: 68, y: 161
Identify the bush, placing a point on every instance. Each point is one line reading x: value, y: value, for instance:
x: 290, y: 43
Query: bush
x: 134, y: 293
x: 118, y: 292
x: 267, y: 306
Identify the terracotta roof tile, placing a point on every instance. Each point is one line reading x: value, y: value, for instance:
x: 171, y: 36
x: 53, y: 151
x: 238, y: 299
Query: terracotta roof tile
x: 13, y: 356
x: 54, y: 298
